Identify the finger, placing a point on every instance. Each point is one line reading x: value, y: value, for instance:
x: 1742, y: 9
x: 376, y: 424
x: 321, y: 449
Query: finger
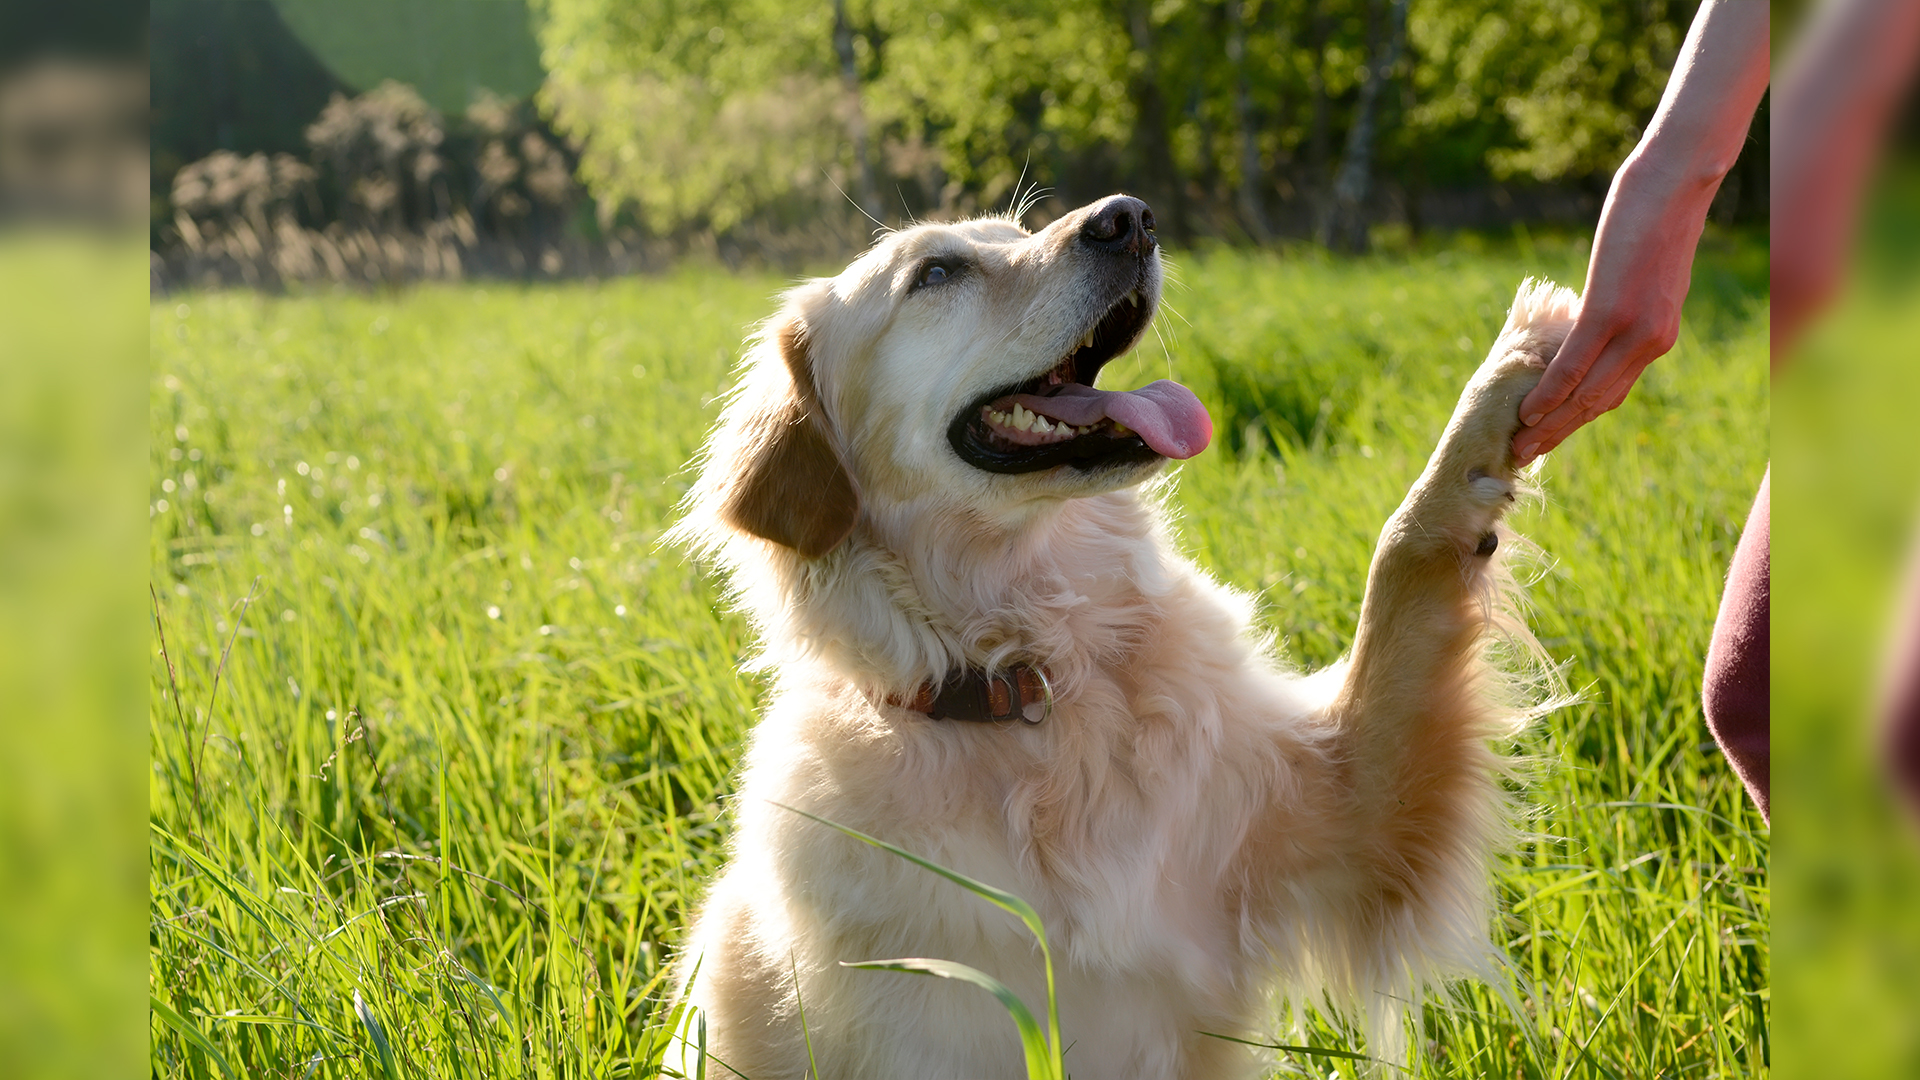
x: 1619, y: 395
x: 1603, y: 391
x: 1565, y: 372
x: 1604, y: 388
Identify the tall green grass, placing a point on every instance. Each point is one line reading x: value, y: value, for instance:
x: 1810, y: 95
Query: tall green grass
x: 441, y: 740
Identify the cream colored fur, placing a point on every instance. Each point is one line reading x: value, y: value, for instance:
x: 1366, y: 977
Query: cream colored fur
x: 1202, y: 829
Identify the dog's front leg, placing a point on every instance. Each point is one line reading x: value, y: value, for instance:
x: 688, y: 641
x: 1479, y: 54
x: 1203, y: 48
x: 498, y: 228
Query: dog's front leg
x: 1419, y: 703
x: 1434, y: 583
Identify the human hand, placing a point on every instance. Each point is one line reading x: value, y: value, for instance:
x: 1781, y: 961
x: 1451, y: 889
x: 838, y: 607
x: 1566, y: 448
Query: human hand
x: 1629, y: 312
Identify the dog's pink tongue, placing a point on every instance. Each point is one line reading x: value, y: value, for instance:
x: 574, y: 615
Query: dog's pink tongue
x: 1164, y: 414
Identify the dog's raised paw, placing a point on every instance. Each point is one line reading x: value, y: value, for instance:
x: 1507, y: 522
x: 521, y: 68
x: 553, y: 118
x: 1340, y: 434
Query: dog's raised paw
x: 1473, y: 478
x: 1486, y: 420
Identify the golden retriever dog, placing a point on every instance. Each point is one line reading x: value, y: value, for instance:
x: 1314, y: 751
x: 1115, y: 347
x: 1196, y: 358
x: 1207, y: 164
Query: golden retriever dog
x: 985, y: 650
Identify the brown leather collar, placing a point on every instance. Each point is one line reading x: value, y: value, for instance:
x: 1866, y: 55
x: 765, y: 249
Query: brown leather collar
x: 975, y: 695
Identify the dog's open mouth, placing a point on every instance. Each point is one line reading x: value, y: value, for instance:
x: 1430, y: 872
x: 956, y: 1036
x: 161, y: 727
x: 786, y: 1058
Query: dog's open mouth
x: 1058, y: 418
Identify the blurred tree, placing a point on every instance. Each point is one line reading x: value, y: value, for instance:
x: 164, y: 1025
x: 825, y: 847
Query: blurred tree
x: 699, y: 113
x: 1539, y: 89
x: 229, y: 75
x: 383, y: 148
x: 98, y: 29
x: 1247, y: 188
x: 1152, y: 138
x: 521, y: 184
x: 1344, y: 226
x: 251, y: 77
x: 1006, y: 88
x: 856, y: 113
x: 706, y: 116
x: 449, y: 51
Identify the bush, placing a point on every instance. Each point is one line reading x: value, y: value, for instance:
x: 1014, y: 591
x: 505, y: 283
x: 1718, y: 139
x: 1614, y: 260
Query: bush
x: 393, y: 192
x: 382, y: 149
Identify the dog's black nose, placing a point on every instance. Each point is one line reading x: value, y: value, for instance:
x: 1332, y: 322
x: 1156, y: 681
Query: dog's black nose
x: 1120, y: 224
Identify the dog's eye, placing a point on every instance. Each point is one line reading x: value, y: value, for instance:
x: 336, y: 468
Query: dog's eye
x: 935, y: 271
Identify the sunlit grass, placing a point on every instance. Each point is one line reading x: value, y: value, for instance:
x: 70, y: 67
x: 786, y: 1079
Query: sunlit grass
x: 465, y: 766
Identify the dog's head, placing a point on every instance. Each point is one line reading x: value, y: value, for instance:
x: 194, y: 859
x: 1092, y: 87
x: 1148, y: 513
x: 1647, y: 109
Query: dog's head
x: 953, y: 363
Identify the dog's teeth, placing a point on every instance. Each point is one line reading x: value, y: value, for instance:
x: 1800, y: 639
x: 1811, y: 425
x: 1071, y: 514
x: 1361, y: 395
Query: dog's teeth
x: 1040, y: 425
x: 1121, y: 429
x: 1133, y: 298
x: 1022, y: 419
x: 1087, y: 342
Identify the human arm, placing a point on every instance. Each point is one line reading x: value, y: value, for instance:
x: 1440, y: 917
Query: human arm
x: 1643, y: 250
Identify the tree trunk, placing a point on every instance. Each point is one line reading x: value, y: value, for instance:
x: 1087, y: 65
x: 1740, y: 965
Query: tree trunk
x: 1248, y: 194
x: 1318, y: 30
x: 1345, y: 229
x: 869, y: 200
x: 1152, y: 134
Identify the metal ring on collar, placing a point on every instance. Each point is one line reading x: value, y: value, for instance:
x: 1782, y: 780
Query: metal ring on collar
x: 1046, y: 684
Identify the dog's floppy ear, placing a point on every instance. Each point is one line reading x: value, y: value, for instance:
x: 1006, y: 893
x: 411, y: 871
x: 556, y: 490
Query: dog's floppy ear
x: 790, y: 486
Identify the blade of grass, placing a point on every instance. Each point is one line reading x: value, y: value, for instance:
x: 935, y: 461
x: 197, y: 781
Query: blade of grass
x: 192, y: 1034
x: 1000, y: 898
x: 1041, y: 1062
x: 813, y: 1067
x: 377, y: 1034
x: 1308, y: 1051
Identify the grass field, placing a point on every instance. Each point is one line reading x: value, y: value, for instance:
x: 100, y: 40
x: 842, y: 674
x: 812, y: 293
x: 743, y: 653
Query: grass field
x: 441, y: 739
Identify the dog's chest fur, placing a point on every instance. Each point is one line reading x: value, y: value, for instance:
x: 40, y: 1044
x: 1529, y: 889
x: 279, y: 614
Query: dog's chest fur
x: 1118, y: 816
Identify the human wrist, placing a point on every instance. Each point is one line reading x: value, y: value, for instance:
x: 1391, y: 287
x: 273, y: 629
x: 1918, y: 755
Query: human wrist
x: 1670, y: 184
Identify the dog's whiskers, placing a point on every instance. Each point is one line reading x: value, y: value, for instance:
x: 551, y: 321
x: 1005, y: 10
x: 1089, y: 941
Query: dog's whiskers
x: 882, y: 228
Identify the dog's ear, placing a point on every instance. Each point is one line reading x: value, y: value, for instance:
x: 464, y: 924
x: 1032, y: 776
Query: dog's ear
x: 790, y: 485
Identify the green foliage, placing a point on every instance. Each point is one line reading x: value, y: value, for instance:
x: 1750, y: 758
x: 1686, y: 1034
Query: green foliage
x: 710, y: 115
x: 472, y: 734
x: 1577, y: 81
x: 991, y: 84
x: 228, y: 75
x: 450, y: 51
x: 707, y: 112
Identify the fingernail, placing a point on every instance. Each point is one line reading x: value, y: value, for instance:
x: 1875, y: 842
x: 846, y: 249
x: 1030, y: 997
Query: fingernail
x: 1529, y: 421
x: 1526, y: 452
